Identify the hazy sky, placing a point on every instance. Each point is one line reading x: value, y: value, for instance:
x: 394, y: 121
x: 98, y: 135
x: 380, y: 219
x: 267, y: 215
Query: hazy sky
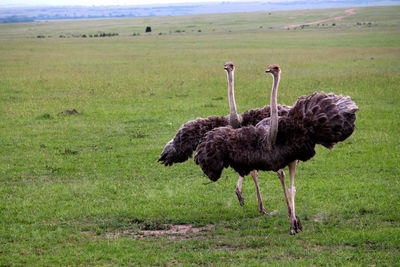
x: 111, y: 2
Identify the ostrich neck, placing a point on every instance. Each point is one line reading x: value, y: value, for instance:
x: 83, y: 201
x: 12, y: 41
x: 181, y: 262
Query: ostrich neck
x: 273, y: 131
x: 233, y: 116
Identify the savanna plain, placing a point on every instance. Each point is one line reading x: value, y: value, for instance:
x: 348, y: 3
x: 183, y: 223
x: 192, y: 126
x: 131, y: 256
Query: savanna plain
x: 85, y: 189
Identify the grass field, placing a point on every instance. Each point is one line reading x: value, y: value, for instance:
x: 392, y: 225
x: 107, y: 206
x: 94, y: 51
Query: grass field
x: 79, y: 189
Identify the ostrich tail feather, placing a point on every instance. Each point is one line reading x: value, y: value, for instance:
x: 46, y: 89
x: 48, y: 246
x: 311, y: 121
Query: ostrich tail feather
x: 327, y: 118
x: 181, y: 147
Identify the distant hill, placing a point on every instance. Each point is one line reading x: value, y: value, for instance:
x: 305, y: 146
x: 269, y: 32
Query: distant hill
x: 40, y: 13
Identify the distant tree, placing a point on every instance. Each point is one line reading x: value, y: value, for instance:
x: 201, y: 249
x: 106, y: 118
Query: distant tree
x: 148, y: 29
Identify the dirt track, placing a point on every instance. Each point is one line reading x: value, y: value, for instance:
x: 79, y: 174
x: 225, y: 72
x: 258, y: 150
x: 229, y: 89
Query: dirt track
x: 349, y: 12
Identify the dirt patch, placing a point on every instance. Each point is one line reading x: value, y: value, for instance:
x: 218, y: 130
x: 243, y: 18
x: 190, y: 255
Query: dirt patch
x: 225, y: 247
x: 316, y: 219
x: 69, y: 112
x: 274, y: 212
x: 349, y: 12
x: 177, y: 229
x: 171, y: 231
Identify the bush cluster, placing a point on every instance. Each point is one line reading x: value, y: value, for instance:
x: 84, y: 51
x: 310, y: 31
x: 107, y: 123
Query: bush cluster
x: 95, y: 35
x: 104, y: 34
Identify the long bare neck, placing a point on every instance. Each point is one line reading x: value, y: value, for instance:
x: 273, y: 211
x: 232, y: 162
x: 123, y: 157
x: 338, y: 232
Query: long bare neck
x: 233, y: 116
x: 273, y: 131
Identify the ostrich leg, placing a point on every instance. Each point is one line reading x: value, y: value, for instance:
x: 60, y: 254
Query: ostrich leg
x: 238, y: 191
x: 295, y: 224
x: 261, y: 208
x: 281, y: 176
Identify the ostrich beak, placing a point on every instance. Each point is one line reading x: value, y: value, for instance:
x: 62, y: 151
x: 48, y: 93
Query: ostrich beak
x: 268, y: 70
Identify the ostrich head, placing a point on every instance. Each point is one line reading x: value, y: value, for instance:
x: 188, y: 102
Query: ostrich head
x: 273, y: 69
x: 229, y: 66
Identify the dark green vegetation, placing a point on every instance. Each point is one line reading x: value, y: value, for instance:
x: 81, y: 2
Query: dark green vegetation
x: 76, y: 188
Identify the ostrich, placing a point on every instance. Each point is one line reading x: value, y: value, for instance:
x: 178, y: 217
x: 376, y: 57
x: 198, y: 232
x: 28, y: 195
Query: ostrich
x: 181, y: 147
x: 319, y: 118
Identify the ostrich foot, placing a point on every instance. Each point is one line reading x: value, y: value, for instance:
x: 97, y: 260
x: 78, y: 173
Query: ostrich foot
x: 261, y: 209
x: 295, y: 226
x: 239, y: 196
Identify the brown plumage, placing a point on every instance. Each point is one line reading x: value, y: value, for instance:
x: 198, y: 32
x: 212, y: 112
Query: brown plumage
x: 181, y: 147
x: 317, y: 119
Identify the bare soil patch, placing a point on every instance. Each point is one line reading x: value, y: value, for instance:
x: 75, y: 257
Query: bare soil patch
x: 172, y: 231
x: 316, y: 219
x: 348, y: 12
x: 69, y: 112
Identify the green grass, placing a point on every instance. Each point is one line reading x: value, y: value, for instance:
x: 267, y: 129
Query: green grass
x: 70, y: 185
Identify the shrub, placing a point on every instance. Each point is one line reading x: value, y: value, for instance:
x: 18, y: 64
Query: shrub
x: 148, y: 29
